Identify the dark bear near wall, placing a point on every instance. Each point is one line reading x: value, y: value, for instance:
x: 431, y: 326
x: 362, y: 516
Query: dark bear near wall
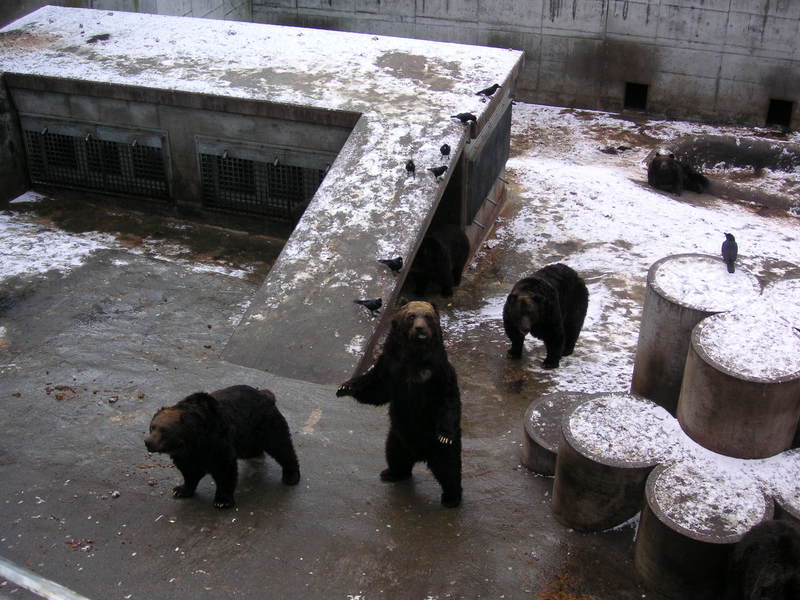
x: 414, y: 376
x: 550, y: 305
x: 440, y: 260
x: 665, y: 172
x: 765, y: 563
x: 206, y: 433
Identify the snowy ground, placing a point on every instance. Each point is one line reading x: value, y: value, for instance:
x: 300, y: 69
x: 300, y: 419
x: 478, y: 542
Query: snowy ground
x: 573, y: 203
x: 570, y: 203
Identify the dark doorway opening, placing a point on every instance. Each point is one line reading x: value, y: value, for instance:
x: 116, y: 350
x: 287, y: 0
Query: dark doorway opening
x: 635, y: 96
x: 780, y: 112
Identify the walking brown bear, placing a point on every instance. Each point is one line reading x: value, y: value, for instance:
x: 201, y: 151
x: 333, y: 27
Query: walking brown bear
x: 551, y: 305
x: 206, y: 433
x: 414, y: 376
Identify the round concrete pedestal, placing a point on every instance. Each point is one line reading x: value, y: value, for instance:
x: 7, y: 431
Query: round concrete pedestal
x: 542, y: 430
x: 688, y: 526
x: 682, y: 290
x: 603, y: 461
x: 741, y: 387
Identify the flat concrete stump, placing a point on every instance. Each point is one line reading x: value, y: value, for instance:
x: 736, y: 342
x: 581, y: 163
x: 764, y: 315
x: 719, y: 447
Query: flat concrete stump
x: 682, y: 290
x: 741, y: 388
x: 692, y: 518
x: 603, y: 459
x: 542, y: 430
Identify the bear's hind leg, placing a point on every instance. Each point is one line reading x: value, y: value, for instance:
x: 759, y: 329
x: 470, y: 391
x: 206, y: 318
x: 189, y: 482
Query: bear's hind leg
x: 225, y: 474
x: 445, y: 464
x: 279, y: 446
x: 399, y: 459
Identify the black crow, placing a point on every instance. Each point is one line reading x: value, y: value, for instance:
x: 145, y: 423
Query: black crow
x: 372, y: 305
x: 729, y: 252
x: 438, y: 171
x: 489, y: 91
x: 445, y: 150
x: 465, y: 118
x: 395, y: 264
x: 411, y: 168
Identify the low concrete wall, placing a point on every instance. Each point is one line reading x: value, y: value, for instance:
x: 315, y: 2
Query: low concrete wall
x: 720, y: 60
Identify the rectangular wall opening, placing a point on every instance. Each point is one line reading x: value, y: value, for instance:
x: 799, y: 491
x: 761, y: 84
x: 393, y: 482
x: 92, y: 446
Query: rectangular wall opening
x: 780, y: 112
x: 635, y: 96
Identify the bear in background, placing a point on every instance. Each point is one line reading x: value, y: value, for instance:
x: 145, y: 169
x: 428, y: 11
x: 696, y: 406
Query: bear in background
x: 414, y: 376
x: 667, y: 173
x: 206, y: 433
x: 765, y: 563
x: 551, y: 305
x: 440, y: 260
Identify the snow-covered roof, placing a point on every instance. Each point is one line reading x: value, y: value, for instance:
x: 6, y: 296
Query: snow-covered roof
x: 366, y: 208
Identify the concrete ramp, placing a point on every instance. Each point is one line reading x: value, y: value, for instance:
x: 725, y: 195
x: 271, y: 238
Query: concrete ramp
x: 181, y: 82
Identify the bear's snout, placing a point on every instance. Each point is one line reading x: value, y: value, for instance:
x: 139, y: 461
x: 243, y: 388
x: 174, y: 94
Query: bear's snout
x: 420, y: 329
x: 150, y: 444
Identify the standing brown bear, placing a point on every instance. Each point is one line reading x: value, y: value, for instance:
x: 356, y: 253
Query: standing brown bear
x: 415, y: 378
x: 551, y: 305
x: 206, y: 433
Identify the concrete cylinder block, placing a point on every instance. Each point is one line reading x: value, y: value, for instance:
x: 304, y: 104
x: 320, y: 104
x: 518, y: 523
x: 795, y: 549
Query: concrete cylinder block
x: 603, y: 461
x: 542, y: 429
x: 682, y: 290
x: 741, y: 387
x: 691, y: 519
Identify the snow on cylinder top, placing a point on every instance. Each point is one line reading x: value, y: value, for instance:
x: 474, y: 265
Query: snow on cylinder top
x: 622, y: 428
x: 708, y: 499
x: 754, y: 344
x: 784, y: 299
x: 702, y: 282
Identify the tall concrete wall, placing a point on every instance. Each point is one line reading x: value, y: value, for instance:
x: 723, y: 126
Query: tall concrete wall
x: 720, y: 60
x: 233, y: 10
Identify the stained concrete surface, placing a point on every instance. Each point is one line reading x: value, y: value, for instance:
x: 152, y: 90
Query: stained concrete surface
x: 87, y: 359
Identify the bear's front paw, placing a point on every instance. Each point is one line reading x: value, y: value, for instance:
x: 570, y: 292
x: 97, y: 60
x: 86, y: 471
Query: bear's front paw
x: 344, y: 390
x: 550, y: 363
x: 445, y: 439
x: 181, y: 491
x: 291, y: 477
x: 512, y: 353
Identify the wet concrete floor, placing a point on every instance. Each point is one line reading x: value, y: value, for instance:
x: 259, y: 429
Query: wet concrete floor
x: 85, y: 360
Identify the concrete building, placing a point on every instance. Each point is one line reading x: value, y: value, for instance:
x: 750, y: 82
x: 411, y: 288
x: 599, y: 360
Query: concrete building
x: 717, y: 60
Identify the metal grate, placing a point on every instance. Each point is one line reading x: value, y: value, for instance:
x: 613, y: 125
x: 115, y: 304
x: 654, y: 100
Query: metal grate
x: 90, y: 162
x: 277, y: 191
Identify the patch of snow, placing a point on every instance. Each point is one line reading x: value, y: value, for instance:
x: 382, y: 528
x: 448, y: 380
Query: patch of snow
x: 29, y: 197
x: 752, y: 343
x: 703, y: 283
x: 29, y: 249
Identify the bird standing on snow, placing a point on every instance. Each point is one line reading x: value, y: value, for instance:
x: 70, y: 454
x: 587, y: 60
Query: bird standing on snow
x: 488, y: 91
x: 445, y: 150
x: 438, y: 171
x: 411, y: 168
x: 465, y: 117
x: 730, y: 251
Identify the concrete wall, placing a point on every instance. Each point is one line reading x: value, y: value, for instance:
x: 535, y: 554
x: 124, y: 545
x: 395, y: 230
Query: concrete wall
x: 720, y: 60
x: 233, y: 10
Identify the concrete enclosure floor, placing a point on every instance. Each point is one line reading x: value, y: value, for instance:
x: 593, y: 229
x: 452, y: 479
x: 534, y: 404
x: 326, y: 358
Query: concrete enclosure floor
x: 88, y: 355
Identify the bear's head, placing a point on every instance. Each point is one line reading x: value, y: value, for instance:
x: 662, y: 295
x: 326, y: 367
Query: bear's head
x: 165, y: 433
x: 418, y: 322
x: 532, y: 305
x: 663, y: 161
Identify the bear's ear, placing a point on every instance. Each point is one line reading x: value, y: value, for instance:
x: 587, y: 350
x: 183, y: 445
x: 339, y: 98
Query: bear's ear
x: 402, y: 301
x: 435, y: 309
